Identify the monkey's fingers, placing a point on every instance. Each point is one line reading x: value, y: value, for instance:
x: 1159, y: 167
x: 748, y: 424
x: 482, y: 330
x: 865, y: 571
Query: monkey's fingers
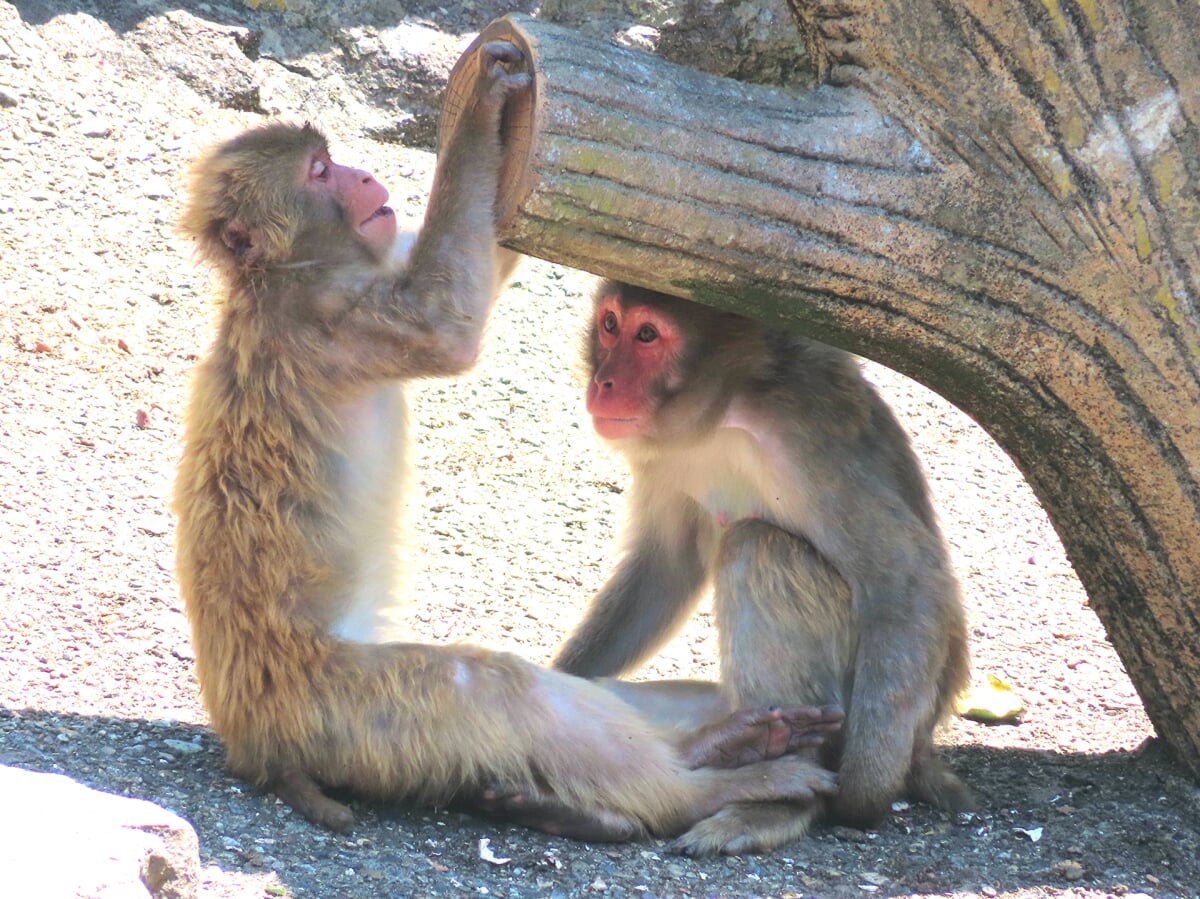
x: 757, y: 735
x: 502, y: 51
x: 808, y: 726
x: 497, y: 57
x: 538, y: 811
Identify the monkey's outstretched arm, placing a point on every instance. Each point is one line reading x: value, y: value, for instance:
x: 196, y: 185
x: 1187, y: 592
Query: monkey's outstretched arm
x: 454, y: 271
x: 429, y: 319
x: 647, y: 599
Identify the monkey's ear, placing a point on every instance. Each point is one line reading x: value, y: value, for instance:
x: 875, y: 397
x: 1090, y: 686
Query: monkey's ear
x: 242, y: 242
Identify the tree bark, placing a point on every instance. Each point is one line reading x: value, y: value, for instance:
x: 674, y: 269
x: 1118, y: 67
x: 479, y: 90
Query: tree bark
x: 999, y: 198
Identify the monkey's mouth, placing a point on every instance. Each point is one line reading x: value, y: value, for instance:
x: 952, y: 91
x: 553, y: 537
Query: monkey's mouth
x: 616, y: 428
x: 382, y: 212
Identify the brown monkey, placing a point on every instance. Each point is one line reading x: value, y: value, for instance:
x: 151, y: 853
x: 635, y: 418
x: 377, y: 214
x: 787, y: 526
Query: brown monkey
x: 765, y: 464
x: 289, y: 486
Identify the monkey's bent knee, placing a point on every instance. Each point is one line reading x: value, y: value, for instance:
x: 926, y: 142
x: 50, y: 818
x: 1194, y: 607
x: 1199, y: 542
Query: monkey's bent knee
x: 755, y: 541
x: 753, y: 535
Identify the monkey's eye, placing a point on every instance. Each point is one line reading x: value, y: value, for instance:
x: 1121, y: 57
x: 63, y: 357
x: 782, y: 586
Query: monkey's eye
x: 609, y: 323
x: 646, y: 334
x: 319, y: 170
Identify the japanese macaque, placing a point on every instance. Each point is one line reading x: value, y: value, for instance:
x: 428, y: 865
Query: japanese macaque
x: 287, y: 494
x: 766, y: 466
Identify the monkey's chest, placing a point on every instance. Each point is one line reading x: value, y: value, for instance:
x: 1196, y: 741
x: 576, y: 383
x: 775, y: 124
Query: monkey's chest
x: 732, y: 478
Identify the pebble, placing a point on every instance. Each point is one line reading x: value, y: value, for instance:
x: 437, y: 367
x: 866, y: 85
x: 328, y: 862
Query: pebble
x: 184, y: 747
x: 95, y: 128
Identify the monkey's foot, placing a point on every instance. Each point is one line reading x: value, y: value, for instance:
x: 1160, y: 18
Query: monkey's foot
x: 747, y: 827
x: 532, y: 808
x: 759, y: 735
x: 303, y: 794
x: 932, y: 781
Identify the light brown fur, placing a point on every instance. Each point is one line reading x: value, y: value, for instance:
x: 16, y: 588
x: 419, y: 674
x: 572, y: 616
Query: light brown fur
x: 289, y: 481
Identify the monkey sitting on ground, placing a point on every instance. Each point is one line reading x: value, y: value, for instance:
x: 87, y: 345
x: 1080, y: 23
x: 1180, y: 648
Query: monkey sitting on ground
x: 766, y: 465
x: 289, y: 487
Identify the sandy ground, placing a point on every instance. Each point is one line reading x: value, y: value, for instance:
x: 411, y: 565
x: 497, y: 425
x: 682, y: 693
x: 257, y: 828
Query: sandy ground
x: 515, y: 509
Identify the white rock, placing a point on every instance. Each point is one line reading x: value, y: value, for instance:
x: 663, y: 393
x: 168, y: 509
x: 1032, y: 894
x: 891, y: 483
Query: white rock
x: 59, y: 838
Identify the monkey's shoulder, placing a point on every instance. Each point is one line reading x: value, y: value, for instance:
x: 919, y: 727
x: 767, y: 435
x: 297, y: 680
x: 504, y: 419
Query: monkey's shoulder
x: 807, y: 381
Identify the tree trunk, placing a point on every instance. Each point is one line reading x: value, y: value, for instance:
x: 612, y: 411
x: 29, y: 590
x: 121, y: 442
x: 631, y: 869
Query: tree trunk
x: 999, y: 198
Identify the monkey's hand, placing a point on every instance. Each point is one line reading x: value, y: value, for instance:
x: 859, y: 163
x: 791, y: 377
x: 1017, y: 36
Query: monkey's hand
x: 497, y: 80
x: 759, y: 735
x: 530, y: 807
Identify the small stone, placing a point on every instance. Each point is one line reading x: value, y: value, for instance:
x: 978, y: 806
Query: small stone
x: 94, y: 127
x: 1068, y: 870
x: 182, y: 746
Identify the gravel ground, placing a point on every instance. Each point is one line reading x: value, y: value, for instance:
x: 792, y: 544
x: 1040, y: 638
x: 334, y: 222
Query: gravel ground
x: 515, y: 506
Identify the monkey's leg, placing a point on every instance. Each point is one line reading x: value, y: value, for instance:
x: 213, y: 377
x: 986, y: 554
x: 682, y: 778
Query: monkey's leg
x: 783, y: 620
x: 435, y: 724
x: 716, y: 739
x: 682, y: 705
x: 911, y: 661
x: 533, y: 808
x: 932, y: 781
x: 783, y: 617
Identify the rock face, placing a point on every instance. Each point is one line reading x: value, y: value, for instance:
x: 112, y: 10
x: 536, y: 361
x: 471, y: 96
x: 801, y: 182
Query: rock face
x: 750, y: 40
x: 62, y: 839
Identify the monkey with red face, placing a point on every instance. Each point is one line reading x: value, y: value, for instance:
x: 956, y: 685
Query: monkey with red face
x: 290, y: 485
x: 765, y: 465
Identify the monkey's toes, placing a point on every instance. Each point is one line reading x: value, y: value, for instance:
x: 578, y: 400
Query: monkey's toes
x: 339, y: 820
x: 801, y: 780
x: 722, y: 834
x: 329, y: 814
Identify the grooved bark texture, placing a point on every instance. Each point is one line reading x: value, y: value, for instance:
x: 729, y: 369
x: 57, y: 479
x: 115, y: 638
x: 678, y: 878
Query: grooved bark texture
x: 999, y: 198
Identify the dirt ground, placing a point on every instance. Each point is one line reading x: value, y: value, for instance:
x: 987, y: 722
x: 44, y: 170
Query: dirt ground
x: 515, y: 509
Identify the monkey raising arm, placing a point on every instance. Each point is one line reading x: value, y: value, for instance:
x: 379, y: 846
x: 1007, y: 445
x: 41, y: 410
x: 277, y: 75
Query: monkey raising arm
x: 359, y: 314
x: 287, y: 493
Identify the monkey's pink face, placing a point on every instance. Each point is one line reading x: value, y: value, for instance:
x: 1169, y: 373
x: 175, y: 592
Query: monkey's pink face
x: 362, y: 199
x: 636, y: 350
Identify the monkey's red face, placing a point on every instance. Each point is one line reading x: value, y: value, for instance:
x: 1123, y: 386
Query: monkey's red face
x: 635, y: 355
x: 362, y: 199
